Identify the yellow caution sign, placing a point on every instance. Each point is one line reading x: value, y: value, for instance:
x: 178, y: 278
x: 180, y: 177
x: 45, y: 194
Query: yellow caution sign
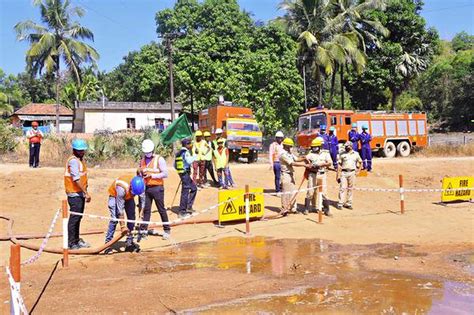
x: 234, y: 210
x: 462, y: 188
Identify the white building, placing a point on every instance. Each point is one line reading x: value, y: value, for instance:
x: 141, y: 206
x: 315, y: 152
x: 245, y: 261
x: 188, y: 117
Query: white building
x: 115, y: 116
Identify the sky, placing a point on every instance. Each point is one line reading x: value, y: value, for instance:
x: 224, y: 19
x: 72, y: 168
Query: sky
x: 121, y: 26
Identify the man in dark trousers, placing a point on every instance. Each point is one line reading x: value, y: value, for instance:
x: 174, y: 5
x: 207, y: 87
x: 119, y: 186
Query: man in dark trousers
x: 183, y: 162
x: 75, y: 184
x: 35, y: 136
x: 333, y: 146
x: 154, y: 171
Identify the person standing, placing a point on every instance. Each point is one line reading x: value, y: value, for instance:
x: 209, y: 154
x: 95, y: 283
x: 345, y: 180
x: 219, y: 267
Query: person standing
x: 208, y: 158
x: 350, y: 165
x: 366, y: 150
x: 288, y: 161
x: 121, y: 199
x: 183, y: 162
x: 221, y: 160
x: 333, y: 146
x: 274, y: 157
x: 325, y: 137
x: 319, y: 160
x: 228, y: 174
x: 354, y: 137
x: 199, y: 163
x: 75, y: 184
x: 35, y: 136
x: 153, y: 169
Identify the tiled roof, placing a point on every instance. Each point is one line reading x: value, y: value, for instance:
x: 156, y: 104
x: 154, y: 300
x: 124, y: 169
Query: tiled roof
x: 43, y: 109
x: 138, y: 106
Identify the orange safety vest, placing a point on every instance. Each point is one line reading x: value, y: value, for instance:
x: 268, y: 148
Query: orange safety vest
x: 70, y: 185
x: 152, y: 168
x: 124, y: 182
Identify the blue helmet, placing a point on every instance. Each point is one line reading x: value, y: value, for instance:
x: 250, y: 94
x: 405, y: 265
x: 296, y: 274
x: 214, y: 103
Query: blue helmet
x: 364, y: 126
x: 79, y: 144
x: 137, y: 185
x: 332, y: 128
x: 322, y: 127
x: 354, y: 125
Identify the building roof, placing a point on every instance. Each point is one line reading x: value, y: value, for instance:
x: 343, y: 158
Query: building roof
x: 139, y: 106
x: 43, y: 110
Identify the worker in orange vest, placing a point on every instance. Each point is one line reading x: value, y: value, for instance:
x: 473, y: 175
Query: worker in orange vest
x: 75, y: 183
x: 35, y: 136
x: 154, y: 171
x: 121, y: 199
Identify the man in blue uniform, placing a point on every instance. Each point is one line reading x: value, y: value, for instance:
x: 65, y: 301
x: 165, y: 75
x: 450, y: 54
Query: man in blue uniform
x: 325, y: 137
x: 366, y: 151
x: 333, y: 148
x: 354, y: 137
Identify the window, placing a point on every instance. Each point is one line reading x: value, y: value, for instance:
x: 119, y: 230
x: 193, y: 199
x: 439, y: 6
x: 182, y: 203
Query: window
x: 412, y: 126
x: 246, y: 126
x: 390, y: 128
x: 224, y: 125
x: 303, y: 123
x: 131, y: 123
x: 318, y: 120
x: 402, y: 128
x: 348, y: 120
x: 421, y: 127
x: 333, y: 120
x: 360, y: 123
x: 159, y: 124
x: 377, y: 128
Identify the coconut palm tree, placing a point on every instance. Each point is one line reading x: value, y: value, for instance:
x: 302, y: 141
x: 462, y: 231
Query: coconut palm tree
x: 58, y: 39
x: 5, y: 107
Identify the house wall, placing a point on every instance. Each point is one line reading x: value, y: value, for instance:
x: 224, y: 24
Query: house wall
x: 98, y: 120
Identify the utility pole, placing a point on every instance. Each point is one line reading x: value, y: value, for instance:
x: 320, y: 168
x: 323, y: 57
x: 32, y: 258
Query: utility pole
x: 304, y: 85
x: 170, y: 66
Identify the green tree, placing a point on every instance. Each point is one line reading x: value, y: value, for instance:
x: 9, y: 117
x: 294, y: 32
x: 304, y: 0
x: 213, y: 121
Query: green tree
x: 401, y: 57
x: 462, y: 41
x: 59, y: 39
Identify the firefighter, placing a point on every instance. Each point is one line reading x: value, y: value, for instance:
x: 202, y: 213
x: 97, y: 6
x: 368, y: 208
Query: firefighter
x: 350, y: 165
x: 353, y: 137
x: 35, y: 136
x: 288, y: 161
x: 366, y: 150
x: 154, y: 170
x: 121, y: 199
x: 183, y: 162
x: 333, y: 146
x: 274, y: 157
x: 325, y: 136
x: 319, y: 160
x: 208, y: 158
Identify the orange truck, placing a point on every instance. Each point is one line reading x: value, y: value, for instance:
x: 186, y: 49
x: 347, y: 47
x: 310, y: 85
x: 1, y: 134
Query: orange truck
x: 243, y: 134
x: 392, y: 133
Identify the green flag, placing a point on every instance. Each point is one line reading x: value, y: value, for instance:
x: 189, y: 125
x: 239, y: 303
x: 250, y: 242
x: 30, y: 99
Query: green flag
x: 178, y: 130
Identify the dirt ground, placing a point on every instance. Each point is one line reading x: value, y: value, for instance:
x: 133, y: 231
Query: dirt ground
x: 430, y: 240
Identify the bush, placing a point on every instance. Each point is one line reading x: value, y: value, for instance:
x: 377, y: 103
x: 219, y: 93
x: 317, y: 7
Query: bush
x: 9, y: 137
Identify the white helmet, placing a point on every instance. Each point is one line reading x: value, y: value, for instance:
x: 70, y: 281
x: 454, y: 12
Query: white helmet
x: 279, y: 134
x: 148, y: 146
x: 218, y: 130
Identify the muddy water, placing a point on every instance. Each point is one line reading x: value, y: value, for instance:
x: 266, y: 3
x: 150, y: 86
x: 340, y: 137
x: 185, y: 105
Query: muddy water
x: 334, y: 282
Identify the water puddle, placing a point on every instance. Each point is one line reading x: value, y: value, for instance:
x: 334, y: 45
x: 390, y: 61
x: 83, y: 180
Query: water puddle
x: 330, y: 279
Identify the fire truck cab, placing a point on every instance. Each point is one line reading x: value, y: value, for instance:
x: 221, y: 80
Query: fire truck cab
x: 392, y: 133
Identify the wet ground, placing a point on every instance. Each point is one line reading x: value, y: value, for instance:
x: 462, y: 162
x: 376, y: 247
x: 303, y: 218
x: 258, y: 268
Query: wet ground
x: 254, y: 276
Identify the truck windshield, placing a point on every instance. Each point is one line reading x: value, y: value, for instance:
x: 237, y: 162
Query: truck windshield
x: 311, y: 122
x: 241, y: 125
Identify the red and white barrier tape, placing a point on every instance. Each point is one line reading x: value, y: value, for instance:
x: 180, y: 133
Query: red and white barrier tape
x: 15, y: 292
x: 279, y: 194
x: 404, y: 190
x: 45, y: 241
x: 95, y: 216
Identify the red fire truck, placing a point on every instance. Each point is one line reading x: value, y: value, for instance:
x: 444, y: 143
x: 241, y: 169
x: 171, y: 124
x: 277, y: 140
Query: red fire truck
x: 392, y: 133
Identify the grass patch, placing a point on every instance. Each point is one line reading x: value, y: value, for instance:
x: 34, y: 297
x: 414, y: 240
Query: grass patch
x: 446, y: 150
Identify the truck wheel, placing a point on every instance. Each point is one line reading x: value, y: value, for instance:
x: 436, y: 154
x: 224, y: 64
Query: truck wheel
x: 404, y: 149
x: 389, y: 150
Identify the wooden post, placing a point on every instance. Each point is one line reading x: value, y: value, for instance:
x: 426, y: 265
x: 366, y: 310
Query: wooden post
x: 402, y: 196
x: 65, y: 234
x: 247, y: 210
x: 15, y: 260
x: 320, y: 203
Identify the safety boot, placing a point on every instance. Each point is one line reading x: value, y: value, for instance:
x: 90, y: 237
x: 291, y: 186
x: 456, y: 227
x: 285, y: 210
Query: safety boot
x: 326, y: 208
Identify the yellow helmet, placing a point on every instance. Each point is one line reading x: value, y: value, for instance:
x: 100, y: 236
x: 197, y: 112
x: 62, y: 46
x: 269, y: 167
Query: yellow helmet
x: 317, y: 142
x: 207, y: 134
x: 289, y: 142
x: 199, y: 133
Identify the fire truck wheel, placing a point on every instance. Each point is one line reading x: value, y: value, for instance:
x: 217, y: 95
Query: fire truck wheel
x: 389, y: 150
x: 404, y: 149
